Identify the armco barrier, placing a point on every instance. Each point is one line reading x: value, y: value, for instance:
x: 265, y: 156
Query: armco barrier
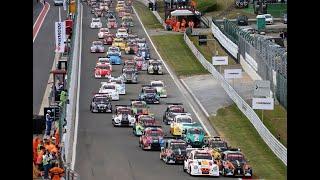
x: 279, y: 150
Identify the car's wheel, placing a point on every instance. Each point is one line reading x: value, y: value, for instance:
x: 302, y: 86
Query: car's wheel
x: 190, y: 171
x: 184, y: 170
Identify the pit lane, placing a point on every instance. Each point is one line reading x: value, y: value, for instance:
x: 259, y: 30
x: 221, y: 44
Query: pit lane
x: 103, y: 151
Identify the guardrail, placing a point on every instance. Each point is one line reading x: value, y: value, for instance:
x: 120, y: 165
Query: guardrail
x: 278, y: 149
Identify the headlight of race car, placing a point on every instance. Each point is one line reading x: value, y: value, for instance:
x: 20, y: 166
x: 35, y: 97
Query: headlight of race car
x: 195, y: 167
x: 117, y: 120
x: 215, y: 168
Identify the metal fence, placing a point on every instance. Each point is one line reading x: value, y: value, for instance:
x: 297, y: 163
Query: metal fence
x: 265, y: 57
x: 278, y: 149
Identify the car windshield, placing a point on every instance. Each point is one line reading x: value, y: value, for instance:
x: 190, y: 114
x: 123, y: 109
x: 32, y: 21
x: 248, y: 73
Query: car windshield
x: 184, y: 120
x: 118, y: 40
x: 155, y: 63
x: 130, y: 63
x: 138, y: 105
x: 195, y: 131
x: 124, y: 111
x: 203, y: 156
x: 97, y: 43
x: 219, y: 145
x: 109, y: 87
x: 156, y: 84
x: 141, y: 41
x: 129, y: 71
x: 104, y: 30
x: 96, y: 20
x: 114, y: 49
x: 177, y: 109
x: 103, y: 67
x: 234, y: 157
x: 122, y: 31
x: 112, y: 20
x: 117, y: 81
x: 268, y: 16
x: 178, y: 146
x: 100, y: 99
x: 113, y: 54
x: 154, y: 133
x: 149, y: 91
x: 104, y: 60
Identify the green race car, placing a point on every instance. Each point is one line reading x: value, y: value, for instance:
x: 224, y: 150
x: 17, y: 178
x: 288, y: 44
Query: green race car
x: 194, y: 136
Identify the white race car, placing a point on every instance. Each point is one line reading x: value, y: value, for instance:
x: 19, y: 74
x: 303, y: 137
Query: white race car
x: 155, y: 67
x: 95, y: 23
x: 110, y: 88
x: 114, y: 49
x: 121, y: 86
x: 104, y: 7
x: 123, y: 116
x: 104, y: 60
x: 178, y: 123
x: 97, y: 46
x: 161, y: 90
x: 199, y: 162
x: 122, y: 33
x: 103, y: 32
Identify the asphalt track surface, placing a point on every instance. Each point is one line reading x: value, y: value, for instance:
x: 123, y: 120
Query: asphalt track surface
x: 37, y: 7
x: 105, y: 152
x: 43, y: 54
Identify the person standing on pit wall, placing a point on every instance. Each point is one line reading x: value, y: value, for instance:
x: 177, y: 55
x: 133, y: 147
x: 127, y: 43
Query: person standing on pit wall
x: 63, y: 97
x: 48, y: 123
x: 46, y: 164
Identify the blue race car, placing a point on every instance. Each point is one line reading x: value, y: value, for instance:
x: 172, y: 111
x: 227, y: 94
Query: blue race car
x: 115, y: 58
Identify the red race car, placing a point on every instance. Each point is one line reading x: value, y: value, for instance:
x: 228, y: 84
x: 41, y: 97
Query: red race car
x: 108, y: 39
x: 112, y: 23
x: 152, y: 138
x: 141, y: 63
x: 102, y: 70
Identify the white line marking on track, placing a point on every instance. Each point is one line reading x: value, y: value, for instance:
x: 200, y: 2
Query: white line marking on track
x: 75, y: 138
x: 174, y: 80
x: 41, y: 20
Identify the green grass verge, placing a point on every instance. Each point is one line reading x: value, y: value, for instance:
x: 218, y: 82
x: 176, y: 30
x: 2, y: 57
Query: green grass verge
x: 209, y: 50
x: 177, y: 54
x: 146, y: 16
x: 276, y: 122
x: 239, y: 132
x: 205, y: 6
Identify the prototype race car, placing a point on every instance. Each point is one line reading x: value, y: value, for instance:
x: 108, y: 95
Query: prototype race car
x: 119, y: 42
x: 159, y: 85
x: 142, y: 122
x: 122, y: 33
x: 217, y: 143
x: 97, y: 47
x: 101, y: 103
x: 130, y: 64
x: 194, y: 136
x: 200, y: 162
x: 111, y: 89
x: 144, y: 52
x: 95, y: 23
x: 112, y: 23
x: 177, y: 126
x: 102, y: 70
x: 235, y: 164
x: 129, y: 75
x: 114, y: 49
x: 108, y: 39
x: 104, y: 60
x: 103, y: 33
x: 139, y: 107
x: 123, y: 116
x: 114, y: 57
x: 121, y: 86
x: 152, y: 138
x: 174, y: 151
x: 149, y: 95
x: 172, y: 110
x: 154, y: 67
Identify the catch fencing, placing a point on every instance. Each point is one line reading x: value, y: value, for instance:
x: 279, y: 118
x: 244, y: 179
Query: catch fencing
x: 278, y: 149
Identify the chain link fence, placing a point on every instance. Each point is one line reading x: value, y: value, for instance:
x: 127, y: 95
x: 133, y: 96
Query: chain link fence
x: 265, y: 57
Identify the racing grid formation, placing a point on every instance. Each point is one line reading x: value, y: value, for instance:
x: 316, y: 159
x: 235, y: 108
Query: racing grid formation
x: 103, y: 151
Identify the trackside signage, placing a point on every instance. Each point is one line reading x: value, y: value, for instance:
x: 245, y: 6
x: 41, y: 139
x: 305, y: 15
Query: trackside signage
x: 219, y: 60
x: 60, y: 33
x: 232, y: 73
x: 263, y: 103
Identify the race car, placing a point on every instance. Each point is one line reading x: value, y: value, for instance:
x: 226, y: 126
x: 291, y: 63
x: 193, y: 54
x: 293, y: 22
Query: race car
x: 114, y: 57
x: 114, y: 49
x: 199, y: 162
x: 154, y: 67
x: 152, y: 138
x: 144, y: 52
x: 101, y: 103
x: 142, y: 42
x: 173, y: 151
x: 130, y: 64
x: 95, y: 23
x: 104, y: 7
x: 98, y: 12
x: 108, y: 39
x: 119, y: 42
x: 132, y: 37
x: 121, y: 86
x: 111, y: 89
x: 104, y: 60
x: 172, y: 110
x: 132, y: 48
x: 142, y: 64
x: 127, y: 21
x: 139, y: 107
x: 194, y: 136
x: 177, y: 126
x: 119, y: 6
x: 149, y: 95
x: 123, y: 116
x: 217, y: 143
x: 97, y: 47
x: 122, y: 33
x: 161, y: 90
x: 102, y: 70
x: 110, y: 14
x: 112, y: 23
x: 142, y: 122
x: 121, y: 12
x: 235, y: 164
x: 103, y: 33
x: 93, y: 7
x: 129, y: 75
